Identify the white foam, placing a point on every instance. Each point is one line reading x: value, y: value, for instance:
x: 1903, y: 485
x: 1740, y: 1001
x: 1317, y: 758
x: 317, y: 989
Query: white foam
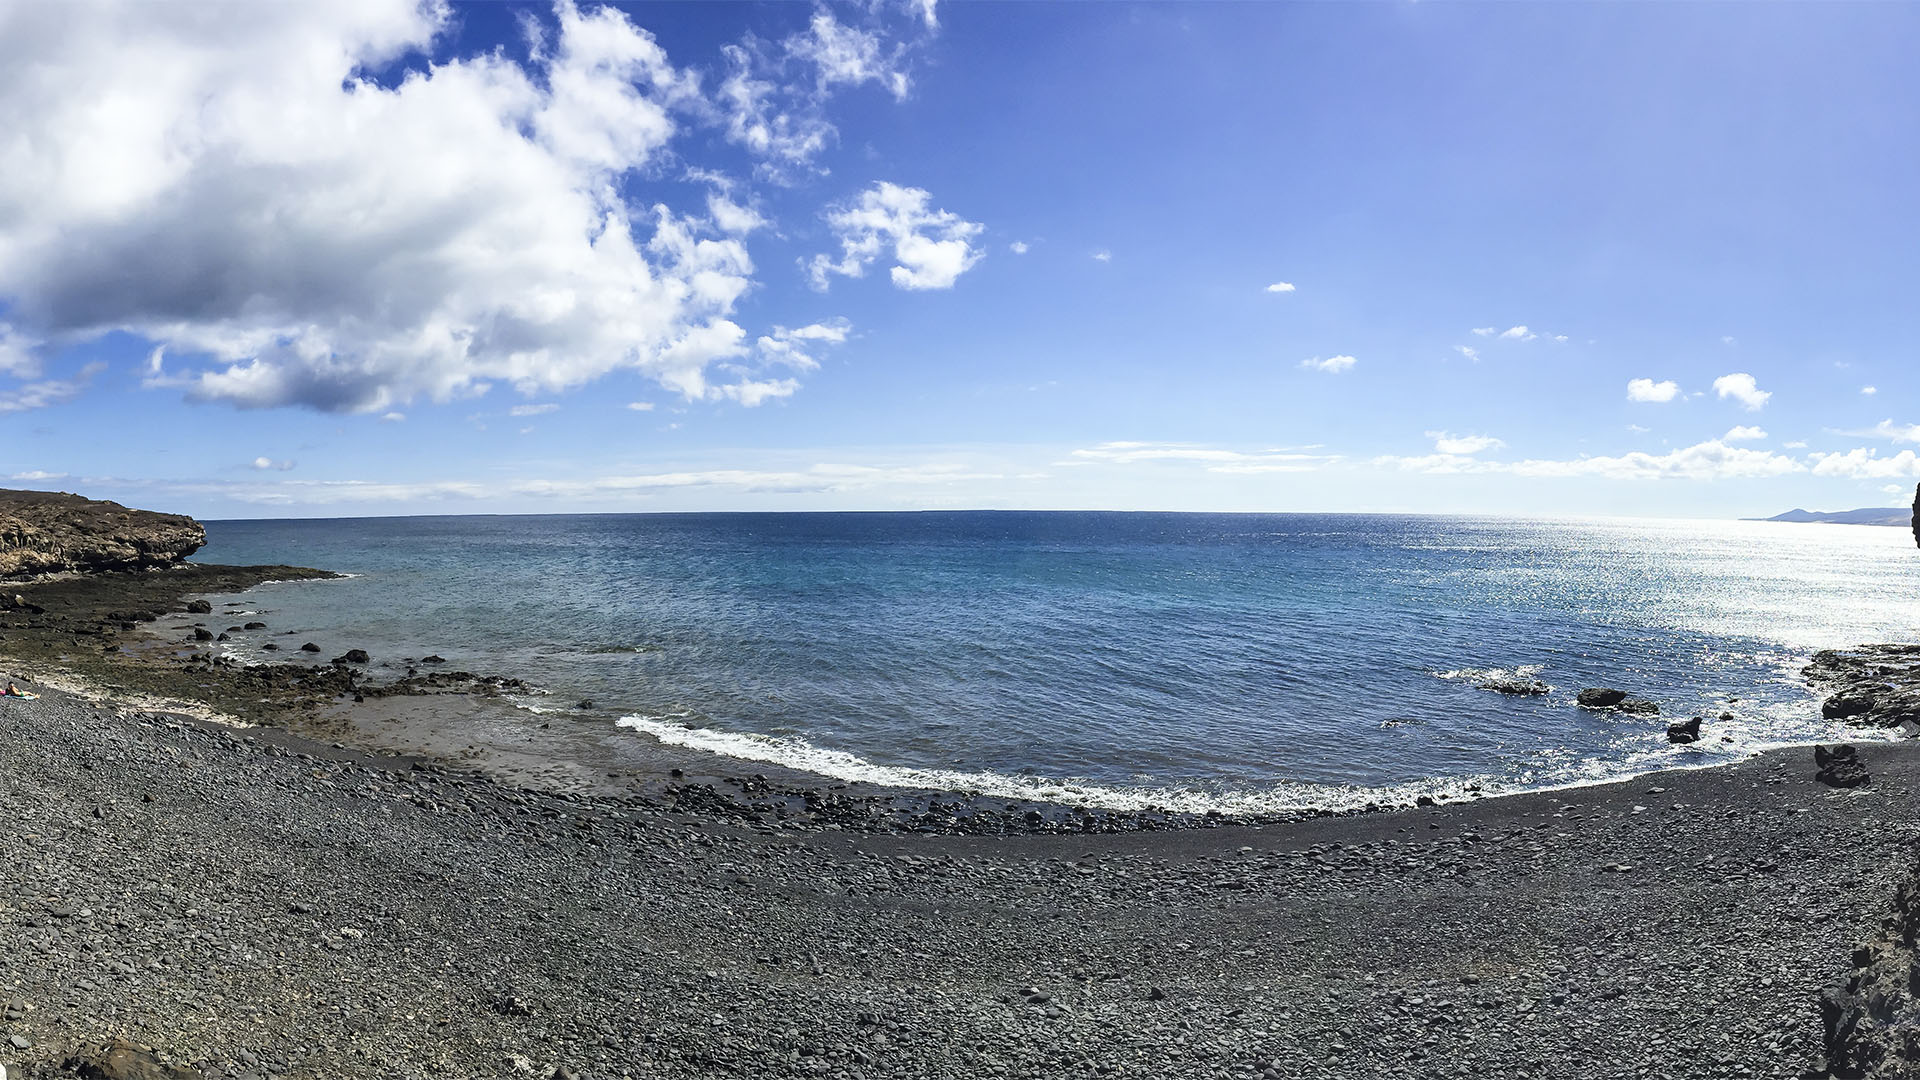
x: 799, y: 754
x: 1524, y: 671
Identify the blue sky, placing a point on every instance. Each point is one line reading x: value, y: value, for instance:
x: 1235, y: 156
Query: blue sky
x: 379, y: 257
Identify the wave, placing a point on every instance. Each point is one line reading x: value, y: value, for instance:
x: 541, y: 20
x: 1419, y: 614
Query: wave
x: 1524, y: 671
x: 795, y: 753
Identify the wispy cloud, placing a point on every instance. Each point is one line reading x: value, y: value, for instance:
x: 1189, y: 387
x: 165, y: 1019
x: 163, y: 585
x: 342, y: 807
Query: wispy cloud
x: 1332, y: 365
x: 1469, y: 352
x: 266, y: 464
x: 1886, y: 429
x: 1103, y: 255
x: 1213, y: 458
x: 533, y: 410
x: 1019, y: 247
x: 39, y: 395
x: 1711, y: 460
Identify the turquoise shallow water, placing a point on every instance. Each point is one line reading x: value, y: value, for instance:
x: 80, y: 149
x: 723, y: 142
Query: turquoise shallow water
x: 1241, y: 661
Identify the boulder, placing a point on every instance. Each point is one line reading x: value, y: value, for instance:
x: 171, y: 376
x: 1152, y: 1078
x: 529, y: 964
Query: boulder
x: 199, y: 607
x: 1601, y: 697
x: 201, y: 633
x: 43, y: 532
x: 351, y: 656
x: 255, y: 626
x: 1684, y: 731
x: 122, y: 1060
x: 1639, y: 706
x: 1855, y: 700
x: 1839, y: 766
x: 309, y: 647
x: 433, y: 659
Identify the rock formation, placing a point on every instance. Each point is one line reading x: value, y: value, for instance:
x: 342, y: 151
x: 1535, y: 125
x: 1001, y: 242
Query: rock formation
x: 1873, y: 1021
x: 47, y: 532
x: 1872, y: 685
x: 1916, y: 514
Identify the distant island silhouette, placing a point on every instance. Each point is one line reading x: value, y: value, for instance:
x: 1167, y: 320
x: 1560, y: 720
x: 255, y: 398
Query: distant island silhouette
x: 1897, y: 516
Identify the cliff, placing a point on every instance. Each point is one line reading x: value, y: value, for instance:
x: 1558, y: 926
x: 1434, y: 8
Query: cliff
x: 46, y: 532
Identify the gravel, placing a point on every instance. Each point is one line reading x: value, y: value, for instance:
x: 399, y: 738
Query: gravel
x: 255, y: 905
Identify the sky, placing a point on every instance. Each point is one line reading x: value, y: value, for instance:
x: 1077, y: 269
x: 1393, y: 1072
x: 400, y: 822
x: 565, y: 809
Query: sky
x: 391, y: 257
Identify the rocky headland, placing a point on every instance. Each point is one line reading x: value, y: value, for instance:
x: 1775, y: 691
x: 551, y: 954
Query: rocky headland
x: 45, y: 532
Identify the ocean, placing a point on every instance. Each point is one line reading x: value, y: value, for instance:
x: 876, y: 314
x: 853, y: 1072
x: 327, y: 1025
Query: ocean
x: 1241, y: 662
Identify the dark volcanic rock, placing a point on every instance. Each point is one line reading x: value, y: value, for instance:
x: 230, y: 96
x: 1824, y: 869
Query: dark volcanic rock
x: 1839, y: 766
x: 122, y: 1060
x: 199, y: 607
x: 1684, y: 731
x: 1601, y: 697
x: 351, y: 656
x: 1872, y: 685
x: 1873, y: 1022
x: 309, y: 647
x: 45, y: 532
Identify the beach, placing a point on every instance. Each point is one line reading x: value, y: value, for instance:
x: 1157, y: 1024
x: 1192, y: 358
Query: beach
x: 256, y: 904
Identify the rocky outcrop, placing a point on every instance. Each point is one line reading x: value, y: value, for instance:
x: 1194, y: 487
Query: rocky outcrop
x: 1871, y: 686
x: 1916, y: 514
x: 1514, y: 686
x: 1840, y: 766
x: 1873, y: 1021
x: 1684, y: 731
x: 1606, y: 697
x: 45, y: 532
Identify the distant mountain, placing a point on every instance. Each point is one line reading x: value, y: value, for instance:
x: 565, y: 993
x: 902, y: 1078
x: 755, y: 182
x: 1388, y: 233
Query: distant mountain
x: 1898, y: 516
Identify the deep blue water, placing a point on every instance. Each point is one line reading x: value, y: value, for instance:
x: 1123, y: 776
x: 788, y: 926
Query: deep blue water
x: 1236, y: 660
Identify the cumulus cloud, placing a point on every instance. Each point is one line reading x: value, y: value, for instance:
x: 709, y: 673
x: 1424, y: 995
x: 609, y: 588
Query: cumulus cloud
x: 1280, y: 287
x: 1744, y: 433
x: 930, y: 248
x: 1103, y: 255
x: 1869, y: 390
x: 1863, y: 463
x: 268, y: 464
x: 1741, y: 387
x: 1332, y: 365
x: 794, y: 348
x: 243, y: 193
x: 1648, y: 390
x: 1518, y: 333
x: 1018, y: 247
x: 1463, y: 444
x: 1710, y: 460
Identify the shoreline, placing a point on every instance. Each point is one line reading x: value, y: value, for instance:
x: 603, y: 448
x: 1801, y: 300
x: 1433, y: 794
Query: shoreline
x: 1539, y: 933
x: 436, y: 715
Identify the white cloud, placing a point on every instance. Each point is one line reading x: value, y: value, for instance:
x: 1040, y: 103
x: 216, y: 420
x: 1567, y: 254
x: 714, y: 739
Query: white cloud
x: 16, y: 353
x: 1863, y: 463
x: 930, y: 248
x: 753, y: 392
x: 1887, y: 429
x: 640, y: 406
x: 39, y: 475
x: 1637, y: 429
x: 790, y: 347
x: 1332, y: 365
x: 1711, y: 460
x: 393, y: 417
x: 1727, y: 339
x: 39, y: 395
x: 1103, y: 255
x: 1561, y: 338
x: 266, y: 463
x: 1018, y: 247
x: 1463, y: 444
x: 1518, y: 333
x: 533, y: 410
x: 1486, y: 331
x: 846, y: 56
x: 1280, y: 287
x: 1869, y: 390
x: 1469, y: 352
x: 241, y: 193
x: 1797, y: 444
x: 1744, y: 433
x: 1215, y: 459
x: 1742, y: 388
x: 1648, y: 390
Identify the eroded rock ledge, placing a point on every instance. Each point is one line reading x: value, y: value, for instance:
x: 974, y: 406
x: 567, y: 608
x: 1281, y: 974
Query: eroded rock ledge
x: 44, y: 532
x: 1873, y: 1021
x: 1872, y: 685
